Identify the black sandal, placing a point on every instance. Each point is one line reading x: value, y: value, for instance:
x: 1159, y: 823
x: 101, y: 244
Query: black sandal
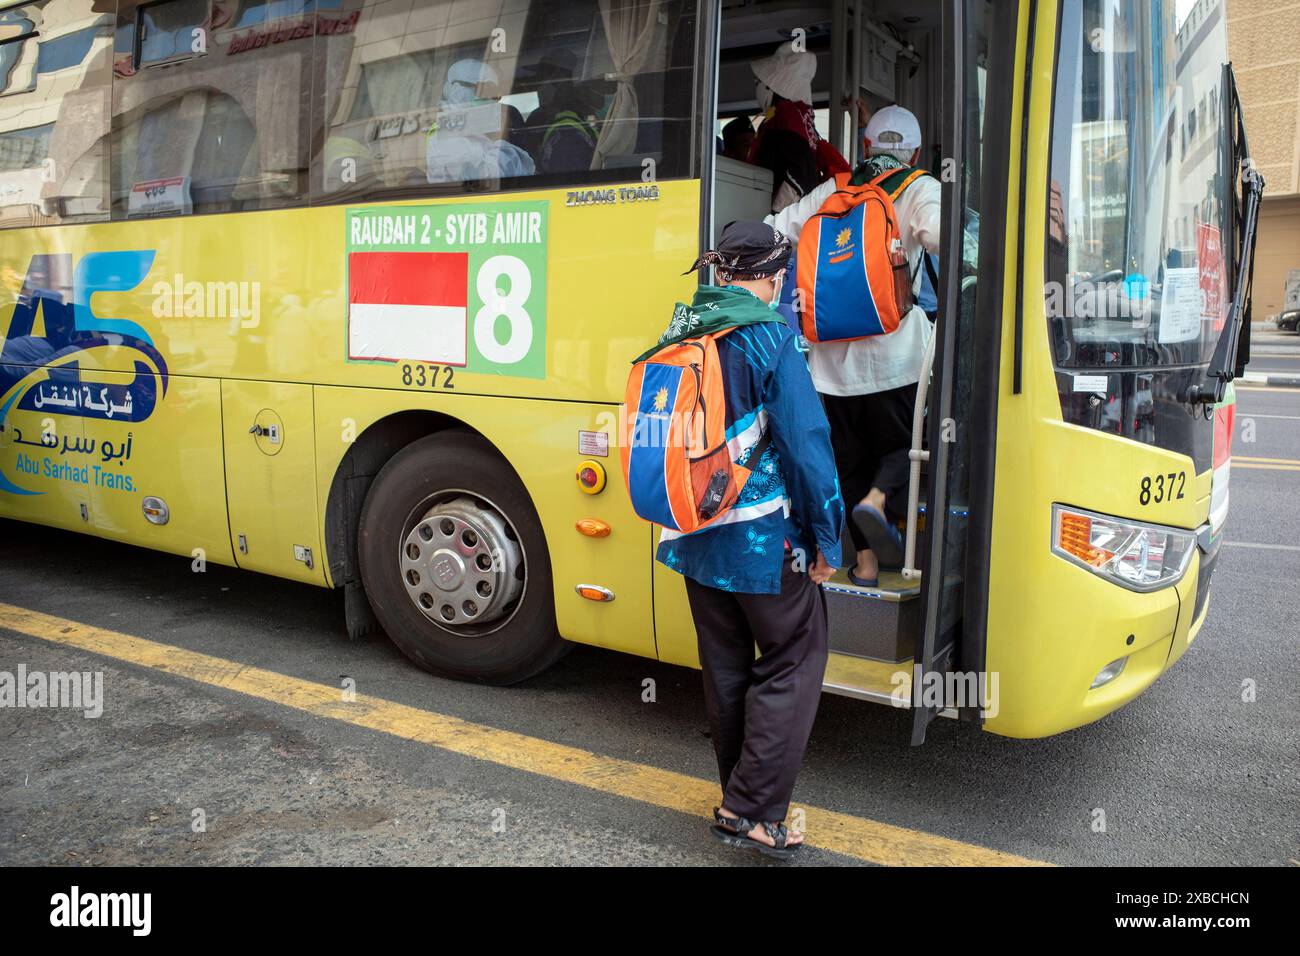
x: 734, y: 831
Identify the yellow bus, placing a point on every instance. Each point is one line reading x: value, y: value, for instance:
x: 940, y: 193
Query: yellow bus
x: 346, y: 291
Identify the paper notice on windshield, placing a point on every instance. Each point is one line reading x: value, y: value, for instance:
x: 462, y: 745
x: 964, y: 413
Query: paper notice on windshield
x: 1180, y: 306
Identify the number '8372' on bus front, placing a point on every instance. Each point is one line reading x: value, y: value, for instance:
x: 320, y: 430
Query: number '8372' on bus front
x: 1162, y: 488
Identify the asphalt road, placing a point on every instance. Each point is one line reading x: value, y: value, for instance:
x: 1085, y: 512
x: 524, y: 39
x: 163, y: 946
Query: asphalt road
x: 1275, y: 353
x: 1188, y: 774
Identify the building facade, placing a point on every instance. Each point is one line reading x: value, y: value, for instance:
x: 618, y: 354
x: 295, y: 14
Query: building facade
x: 1266, y: 58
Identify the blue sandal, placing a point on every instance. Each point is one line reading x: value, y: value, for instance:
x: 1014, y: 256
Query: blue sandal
x: 886, y: 543
x: 734, y: 831
x: 862, y: 582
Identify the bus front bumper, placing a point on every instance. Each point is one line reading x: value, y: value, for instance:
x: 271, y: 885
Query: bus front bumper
x: 1085, y: 680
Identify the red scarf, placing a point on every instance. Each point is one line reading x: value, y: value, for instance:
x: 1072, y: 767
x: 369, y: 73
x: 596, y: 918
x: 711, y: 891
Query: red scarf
x: 797, y: 118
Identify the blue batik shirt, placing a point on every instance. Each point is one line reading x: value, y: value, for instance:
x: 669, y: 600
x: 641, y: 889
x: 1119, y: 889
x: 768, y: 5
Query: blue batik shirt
x: 793, y: 493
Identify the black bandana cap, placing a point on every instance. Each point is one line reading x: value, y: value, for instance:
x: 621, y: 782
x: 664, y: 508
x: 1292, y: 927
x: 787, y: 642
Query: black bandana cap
x: 747, y: 250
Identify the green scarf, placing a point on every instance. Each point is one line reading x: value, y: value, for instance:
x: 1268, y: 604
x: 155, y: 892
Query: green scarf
x: 878, y: 165
x: 713, y: 309
x: 874, y: 166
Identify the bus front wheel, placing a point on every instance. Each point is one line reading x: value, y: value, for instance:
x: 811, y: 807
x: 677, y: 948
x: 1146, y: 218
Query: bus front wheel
x: 455, y: 564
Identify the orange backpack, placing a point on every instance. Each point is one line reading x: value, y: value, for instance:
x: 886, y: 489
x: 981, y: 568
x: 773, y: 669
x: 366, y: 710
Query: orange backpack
x: 853, y: 271
x: 676, y: 462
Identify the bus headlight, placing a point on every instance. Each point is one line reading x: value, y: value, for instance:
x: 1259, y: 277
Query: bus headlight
x: 1132, y: 554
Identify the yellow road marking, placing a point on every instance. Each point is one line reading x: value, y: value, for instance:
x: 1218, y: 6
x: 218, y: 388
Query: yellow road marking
x: 1263, y: 388
x: 1238, y: 464
x: 1266, y: 464
x: 1271, y: 461
x: 837, y: 832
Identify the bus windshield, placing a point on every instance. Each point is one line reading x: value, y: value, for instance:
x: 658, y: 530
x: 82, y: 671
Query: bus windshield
x: 1137, y: 275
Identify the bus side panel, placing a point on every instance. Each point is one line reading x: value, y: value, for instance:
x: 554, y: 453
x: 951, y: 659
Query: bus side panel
x: 674, y: 626
x: 270, y: 458
x: 540, y: 440
x: 266, y: 295
x: 173, y: 454
x: 43, y: 478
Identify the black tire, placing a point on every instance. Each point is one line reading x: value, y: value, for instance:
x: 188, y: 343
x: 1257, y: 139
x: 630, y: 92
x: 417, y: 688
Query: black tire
x: 525, y: 640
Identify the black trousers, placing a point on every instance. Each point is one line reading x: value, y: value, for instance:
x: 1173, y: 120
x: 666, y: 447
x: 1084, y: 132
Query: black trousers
x: 871, y: 436
x: 761, y: 711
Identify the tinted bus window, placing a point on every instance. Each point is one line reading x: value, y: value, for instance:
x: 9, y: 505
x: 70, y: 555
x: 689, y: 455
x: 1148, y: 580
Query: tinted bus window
x: 1139, y: 203
x: 472, y: 95
x: 54, y: 77
x: 210, y: 106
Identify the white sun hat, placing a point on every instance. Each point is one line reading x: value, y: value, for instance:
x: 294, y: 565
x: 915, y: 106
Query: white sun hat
x: 787, y: 73
x: 894, y: 128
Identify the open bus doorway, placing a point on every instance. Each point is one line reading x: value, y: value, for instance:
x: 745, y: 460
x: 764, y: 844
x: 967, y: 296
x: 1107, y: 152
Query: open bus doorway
x: 868, y: 55
x: 874, y: 52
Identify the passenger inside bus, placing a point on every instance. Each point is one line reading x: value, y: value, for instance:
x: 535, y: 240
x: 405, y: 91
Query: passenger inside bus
x: 561, y: 133
x: 469, y: 140
x: 738, y: 138
x: 787, y: 141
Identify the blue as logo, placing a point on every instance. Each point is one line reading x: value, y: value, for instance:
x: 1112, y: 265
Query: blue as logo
x: 41, y: 373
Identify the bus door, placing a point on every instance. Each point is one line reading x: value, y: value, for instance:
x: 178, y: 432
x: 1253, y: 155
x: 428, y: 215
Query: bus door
x: 270, y: 456
x: 979, y: 45
x: 867, y: 50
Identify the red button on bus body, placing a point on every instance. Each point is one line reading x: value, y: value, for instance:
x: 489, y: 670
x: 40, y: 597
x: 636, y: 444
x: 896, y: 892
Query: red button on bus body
x: 591, y: 477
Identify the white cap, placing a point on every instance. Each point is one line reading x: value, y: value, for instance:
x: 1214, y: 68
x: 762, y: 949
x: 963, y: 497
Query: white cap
x: 787, y: 73
x: 894, y: 128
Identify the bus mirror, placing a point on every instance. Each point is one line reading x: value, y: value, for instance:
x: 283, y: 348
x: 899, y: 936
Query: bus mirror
x: 1233, y: 349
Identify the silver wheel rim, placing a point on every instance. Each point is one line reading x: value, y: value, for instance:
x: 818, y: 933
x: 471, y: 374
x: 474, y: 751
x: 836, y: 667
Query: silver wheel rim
x: 462, y: 564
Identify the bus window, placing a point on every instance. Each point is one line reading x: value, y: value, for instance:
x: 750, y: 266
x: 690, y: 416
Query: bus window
x: 1140, y: 199
x: 54, y: 60
x: 210, y: 104
x: 1139, y: 205
x: 494, y: 94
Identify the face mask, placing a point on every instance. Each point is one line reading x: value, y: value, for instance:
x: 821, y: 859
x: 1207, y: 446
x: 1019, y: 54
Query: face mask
x: 764, y: 94
x: 458, y: 93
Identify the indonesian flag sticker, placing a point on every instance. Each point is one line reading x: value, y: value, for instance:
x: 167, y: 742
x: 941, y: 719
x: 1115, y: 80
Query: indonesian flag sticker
x: 408, y: 306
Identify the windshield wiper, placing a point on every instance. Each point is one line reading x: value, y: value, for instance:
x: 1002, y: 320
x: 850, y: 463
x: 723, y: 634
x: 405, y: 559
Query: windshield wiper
x: 1224, y: 365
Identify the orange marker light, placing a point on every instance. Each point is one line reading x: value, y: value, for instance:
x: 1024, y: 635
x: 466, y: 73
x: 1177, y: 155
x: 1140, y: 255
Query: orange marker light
x: 594, y: 592
x: 592, y: 528
x: 1076, y: 538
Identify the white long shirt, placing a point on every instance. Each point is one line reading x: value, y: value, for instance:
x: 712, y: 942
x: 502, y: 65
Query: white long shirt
x: 880, y: 362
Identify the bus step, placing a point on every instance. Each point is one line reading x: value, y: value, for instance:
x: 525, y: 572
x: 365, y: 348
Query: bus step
x: 879, y: 623
x: 890, y: 586
x: 851, y: 676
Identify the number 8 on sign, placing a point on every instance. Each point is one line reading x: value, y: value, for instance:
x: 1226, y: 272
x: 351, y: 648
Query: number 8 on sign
x: 509, y: 304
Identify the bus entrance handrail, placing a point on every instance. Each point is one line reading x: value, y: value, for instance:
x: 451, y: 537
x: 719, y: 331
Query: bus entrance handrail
x: 916, y: 455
